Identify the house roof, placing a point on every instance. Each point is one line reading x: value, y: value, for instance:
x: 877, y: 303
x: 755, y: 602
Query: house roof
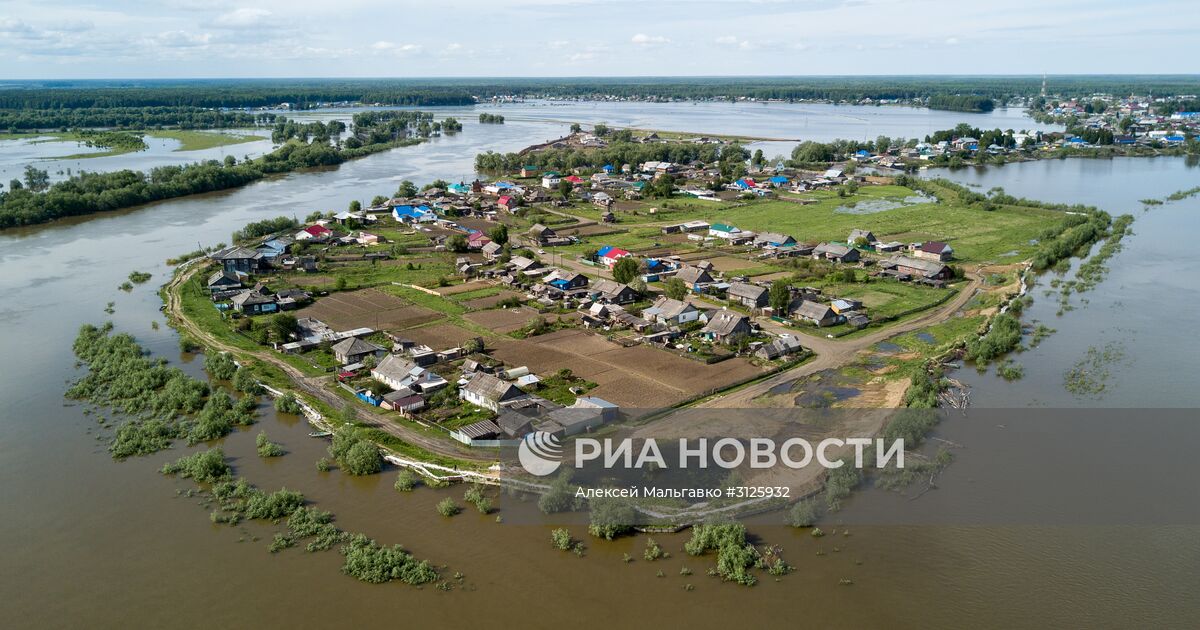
x: 540, y: 230
x: 814, y: 310
x: 396, y: 368
x: 773, y: 238
x: 250, y: 297
x: 746, y: 290
x: 489, y: 387
x: 351, y: 346
x: 491, y: 247
x: 726, y: 322
x: 855, y: 233
x: 609, y: 288
x: 668, y: 308
x: 318, y: 230
x: 694, y: 275
x: 832, y: 248
x: 936, y: 247
x: 612, y: 252
x: 480, y: 429
x: 235, y: 253
x: 928, y: 268
x: 218, y: 276
x: 721, y: 227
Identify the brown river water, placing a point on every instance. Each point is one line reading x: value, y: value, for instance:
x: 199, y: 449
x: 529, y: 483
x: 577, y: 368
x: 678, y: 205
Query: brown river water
x: 87, y: 541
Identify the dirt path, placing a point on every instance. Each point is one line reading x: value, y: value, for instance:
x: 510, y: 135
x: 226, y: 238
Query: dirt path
x: 315, y: 386
x: 835, y: 353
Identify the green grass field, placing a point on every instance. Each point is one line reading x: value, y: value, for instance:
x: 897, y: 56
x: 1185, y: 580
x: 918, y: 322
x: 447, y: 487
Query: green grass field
x: 199, y: 140
x: 976, y: 235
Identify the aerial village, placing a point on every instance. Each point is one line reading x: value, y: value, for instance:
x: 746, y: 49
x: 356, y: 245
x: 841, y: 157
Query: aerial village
x: 556, y: 300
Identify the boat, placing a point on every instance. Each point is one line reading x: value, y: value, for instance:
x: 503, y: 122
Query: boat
x: 320, y: 434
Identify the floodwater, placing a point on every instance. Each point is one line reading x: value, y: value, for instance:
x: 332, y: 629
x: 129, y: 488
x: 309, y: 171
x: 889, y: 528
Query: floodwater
x: 90, y: 541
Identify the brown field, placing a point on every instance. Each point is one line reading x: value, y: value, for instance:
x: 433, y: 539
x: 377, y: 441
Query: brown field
x: 439, y: 336
x: 729, y: 263
x: 636, y: 377
x: 592, y: 229
x: 490, y: 301
x: 367, y: 308
x: 506, y: 320
x: 464, y: 287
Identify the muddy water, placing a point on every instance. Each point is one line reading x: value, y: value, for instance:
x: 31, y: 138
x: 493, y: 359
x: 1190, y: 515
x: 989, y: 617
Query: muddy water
x: 90, y: 541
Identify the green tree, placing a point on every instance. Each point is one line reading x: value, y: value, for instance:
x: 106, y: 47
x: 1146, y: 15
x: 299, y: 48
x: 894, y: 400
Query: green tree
x: 576, y: 128
x: 362, y: 458
x: 564, y: 189
x: 378, y: 200
x: 780, y: 296
x: 284, y: 325
x: 625, y: 270
x: 610, y: 518
x: 355, y: 206
x: 499, y: 234
x: 406, y: 189
x: 36, y: 179
x: 456, y: 243
x: 675, y: 289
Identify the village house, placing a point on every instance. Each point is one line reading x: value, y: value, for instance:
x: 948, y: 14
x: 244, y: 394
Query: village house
x: 816, y: 313
x: 239, y: 260
x: 866, y: 235
x: 746, y: 294
x: 541, y: 235
x: 566, y: 280
x: 612, y: 291
x: 688, y: 226
x: 254, y: 301
x: 934, y: 250
x: 694, y: 277
x: 492, y: 250
x: 403, y: 400
x: 773, y: 239
x: 608, y: 256
x: 476, y: 240
x: 489, y: 392
x: 398, y: 373
x: 223, y: 281
x: 902, y: 266
x: 671, y: 312
x: 521, y: 264
x: 355, y: 350
x: 836, y: 253
x: 726, y: 326
x: 551, y: 180
x: 316, y: 233
x: 781, y: 347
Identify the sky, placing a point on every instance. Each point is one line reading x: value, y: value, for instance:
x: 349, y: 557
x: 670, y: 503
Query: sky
x: 61, y: 39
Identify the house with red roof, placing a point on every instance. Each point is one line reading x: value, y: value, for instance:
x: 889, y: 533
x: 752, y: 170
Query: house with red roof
x: 314, y: 232
x: 477, y: 239
x: 574, y: 179
x: 934, y: 250
x: 610, y: 255
x: 508, y: 201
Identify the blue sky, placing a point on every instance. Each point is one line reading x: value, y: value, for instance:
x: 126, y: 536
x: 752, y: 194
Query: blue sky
x: 402, y: 38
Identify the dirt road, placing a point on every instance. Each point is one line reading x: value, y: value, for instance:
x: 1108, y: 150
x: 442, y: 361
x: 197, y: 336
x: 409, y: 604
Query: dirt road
x: 316, y: 386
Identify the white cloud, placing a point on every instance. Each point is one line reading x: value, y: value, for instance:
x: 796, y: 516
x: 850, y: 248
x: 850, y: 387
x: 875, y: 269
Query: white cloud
x: 642, y: 39
x: 952, y: 41
x: 394, y: 47
x: 242, y: 18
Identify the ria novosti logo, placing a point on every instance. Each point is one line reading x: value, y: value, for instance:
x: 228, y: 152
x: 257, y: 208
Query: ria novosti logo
x: 540, y: 453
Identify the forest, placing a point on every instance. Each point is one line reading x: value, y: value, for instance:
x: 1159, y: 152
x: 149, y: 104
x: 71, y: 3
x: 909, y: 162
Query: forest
x: 35, y: 201
x: 27, y: 119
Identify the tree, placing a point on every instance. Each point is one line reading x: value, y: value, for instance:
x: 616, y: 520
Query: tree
x: 406, y: 189
x: 456, y: 243
x: 284, y: 325
x: 758, y: 160
x: 600, y: 129
x: 576, y: 128
x: 564, y: 189
x: 362, y: 459
x: 378, y: 200
x: 675, y: 289
x: 611, y: 518
x: 625, y: 270
x: 499, y: 234
x: 355, y: 206
x: 780, y: 295
x: 36, y: 180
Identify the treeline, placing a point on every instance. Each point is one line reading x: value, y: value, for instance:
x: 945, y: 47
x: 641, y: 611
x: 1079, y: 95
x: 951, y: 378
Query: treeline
x: 961, y: 103
x: 491, y: 119
x: 88, y: 193
x: 14, y: 120
x: 617, y: 154
x: 298, y: 94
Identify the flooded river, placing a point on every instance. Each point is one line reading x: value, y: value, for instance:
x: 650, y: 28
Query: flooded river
x: 90, y: 541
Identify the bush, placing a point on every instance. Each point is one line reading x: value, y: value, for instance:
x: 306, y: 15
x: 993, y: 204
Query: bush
x: 561, y: 538
x: 653, y: 550
x: 406, y: 481
x: 802, y: 514
x: 288, y: 403
x: 354, y: 452
x: 265, y: 447
x: 447, y: 507
x: 203, y: 466
x: 611, y: 518
x: 369, y: 562
x: 475, y: 496
x: 220, y: 365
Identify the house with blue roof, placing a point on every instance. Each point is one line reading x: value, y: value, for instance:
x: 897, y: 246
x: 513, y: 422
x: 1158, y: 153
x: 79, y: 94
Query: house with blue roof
x: 411, y: 214
x: 608, y: 169
x: 778, y: 180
